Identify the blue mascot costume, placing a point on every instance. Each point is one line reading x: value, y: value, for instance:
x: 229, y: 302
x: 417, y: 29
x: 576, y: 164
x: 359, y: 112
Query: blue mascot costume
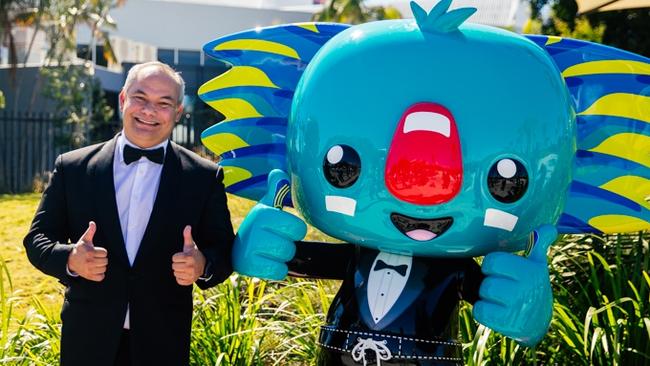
x: 422, y: 144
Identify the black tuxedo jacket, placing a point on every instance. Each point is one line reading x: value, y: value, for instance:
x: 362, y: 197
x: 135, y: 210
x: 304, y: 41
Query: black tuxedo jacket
x: 191, y: 192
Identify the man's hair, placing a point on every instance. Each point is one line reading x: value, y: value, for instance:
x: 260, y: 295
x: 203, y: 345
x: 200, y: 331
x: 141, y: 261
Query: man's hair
x: 133, y: 73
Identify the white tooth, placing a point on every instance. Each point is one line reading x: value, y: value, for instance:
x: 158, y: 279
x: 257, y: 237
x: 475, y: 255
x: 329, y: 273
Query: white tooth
x: 427, y: 121
x: 146, y: 122
x: 343, y: 205
x: 500, y: 219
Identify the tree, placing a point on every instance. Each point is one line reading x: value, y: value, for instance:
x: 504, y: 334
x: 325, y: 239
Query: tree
x: 78, y: 96
x: 79, y: 100
x: 625, y: 29
x: 59, y: 20
x: 70, y: 84
x: 67, y: 15
x: 15, y: 13
x: 354, y: 12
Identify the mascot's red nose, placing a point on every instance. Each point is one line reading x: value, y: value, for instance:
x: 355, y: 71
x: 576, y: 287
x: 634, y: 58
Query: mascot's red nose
x: 424, y: 164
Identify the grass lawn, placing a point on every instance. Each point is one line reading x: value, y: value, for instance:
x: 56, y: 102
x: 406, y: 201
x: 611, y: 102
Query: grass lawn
x: 16, y: 213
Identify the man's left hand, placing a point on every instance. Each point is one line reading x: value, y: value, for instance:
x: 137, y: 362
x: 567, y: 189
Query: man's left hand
x: 189, y: 264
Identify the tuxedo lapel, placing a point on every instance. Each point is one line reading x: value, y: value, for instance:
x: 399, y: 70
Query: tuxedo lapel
x: 105, y: 206
x: 163, y: 207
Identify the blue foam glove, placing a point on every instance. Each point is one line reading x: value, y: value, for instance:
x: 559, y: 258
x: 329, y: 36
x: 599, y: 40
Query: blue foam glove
x: 265, y: 240
x: 516, y: 298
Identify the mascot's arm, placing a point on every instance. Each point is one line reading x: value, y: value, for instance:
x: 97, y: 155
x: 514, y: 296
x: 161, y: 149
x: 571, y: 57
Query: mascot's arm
x: 322, y: 260
x: 267, y: 243
x: 265, y: 239
x: 515, y: 296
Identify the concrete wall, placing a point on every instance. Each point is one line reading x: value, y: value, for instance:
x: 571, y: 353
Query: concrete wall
x: 25, y: 93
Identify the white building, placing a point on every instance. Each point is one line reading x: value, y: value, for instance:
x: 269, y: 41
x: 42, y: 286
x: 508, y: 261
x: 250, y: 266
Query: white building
x: 188, y: 25
x: 147, y: 25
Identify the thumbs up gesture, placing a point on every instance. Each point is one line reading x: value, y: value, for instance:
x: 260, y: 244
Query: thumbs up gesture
x: 86, y: 260
x: 265, y: 240
x: 516, y: 298
x: 189, y: 264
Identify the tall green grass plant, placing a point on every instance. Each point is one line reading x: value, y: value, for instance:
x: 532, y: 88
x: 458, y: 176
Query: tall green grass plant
x: 245, y: 321
x: 601, y: 308
x: 603, y: 300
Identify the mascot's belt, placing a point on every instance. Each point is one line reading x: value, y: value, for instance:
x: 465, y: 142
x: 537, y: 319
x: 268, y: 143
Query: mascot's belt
x: 369, y: 346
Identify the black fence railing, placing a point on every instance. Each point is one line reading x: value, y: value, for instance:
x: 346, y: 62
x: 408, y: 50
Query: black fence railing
x: 29, y: 144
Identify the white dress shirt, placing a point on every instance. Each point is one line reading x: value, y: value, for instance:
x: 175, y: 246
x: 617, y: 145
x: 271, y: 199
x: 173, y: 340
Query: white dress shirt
x: 386, y: 285
x: 136, y: 186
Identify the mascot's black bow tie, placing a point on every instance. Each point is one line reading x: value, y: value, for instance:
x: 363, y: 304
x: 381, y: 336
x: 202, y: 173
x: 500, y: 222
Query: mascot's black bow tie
x: 132, y: 154
x: 401, y: 269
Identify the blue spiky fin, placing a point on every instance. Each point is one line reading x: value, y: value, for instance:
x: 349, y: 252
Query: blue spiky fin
x: 610, y: 191
x: 255, y: 96
x: 440, y: 19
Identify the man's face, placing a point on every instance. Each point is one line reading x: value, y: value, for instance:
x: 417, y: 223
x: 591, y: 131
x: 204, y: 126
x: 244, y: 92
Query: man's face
x: 150, y: 108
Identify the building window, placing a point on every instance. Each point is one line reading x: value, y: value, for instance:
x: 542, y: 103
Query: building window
x: 166, y: 56
x: 84, y: 53
x: 188, y: 58
x: 100, y: 57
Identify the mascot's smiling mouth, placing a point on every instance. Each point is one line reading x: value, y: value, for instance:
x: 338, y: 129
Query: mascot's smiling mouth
x: 421, y: 229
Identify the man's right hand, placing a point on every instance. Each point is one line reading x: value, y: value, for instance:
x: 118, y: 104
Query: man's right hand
x: 86, y: 260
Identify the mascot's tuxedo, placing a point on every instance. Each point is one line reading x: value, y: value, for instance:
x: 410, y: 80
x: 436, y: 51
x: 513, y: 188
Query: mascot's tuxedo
x: 385, y: 300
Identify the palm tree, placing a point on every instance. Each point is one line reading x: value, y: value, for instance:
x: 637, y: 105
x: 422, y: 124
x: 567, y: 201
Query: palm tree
x: 15, y: 13
x: 59, y: 19
x: 354, y: 12
x: 67, y: 15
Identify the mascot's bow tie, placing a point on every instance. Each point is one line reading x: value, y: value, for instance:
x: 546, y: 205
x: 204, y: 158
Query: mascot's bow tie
x: 401, y: 269
x: 132, y: 154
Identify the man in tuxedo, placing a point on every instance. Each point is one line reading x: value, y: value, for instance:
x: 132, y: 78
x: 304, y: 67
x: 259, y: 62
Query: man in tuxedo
x: 128, y: 226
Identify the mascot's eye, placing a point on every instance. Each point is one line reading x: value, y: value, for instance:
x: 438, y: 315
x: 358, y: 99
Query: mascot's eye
x: 507, y: 180
x: 342, y: 166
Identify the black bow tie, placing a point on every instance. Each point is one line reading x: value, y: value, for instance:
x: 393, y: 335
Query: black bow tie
x: 132, y: 154
x: 401, y: 269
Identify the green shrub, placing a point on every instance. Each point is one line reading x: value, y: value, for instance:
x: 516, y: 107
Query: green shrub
x: 601, y: 315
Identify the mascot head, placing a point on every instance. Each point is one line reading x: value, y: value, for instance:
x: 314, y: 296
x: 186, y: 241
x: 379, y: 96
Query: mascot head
x: 432, y: 137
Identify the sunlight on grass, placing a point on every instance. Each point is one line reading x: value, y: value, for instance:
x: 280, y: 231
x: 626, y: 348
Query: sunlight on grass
x: 16, y: 213
x: 601, y: 288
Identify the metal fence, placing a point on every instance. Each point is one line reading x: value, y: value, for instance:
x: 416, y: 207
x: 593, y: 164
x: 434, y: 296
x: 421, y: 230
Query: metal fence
x: 29, y: 144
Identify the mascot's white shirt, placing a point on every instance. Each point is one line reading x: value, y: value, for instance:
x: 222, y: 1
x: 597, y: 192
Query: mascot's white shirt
x: 385, y: 285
